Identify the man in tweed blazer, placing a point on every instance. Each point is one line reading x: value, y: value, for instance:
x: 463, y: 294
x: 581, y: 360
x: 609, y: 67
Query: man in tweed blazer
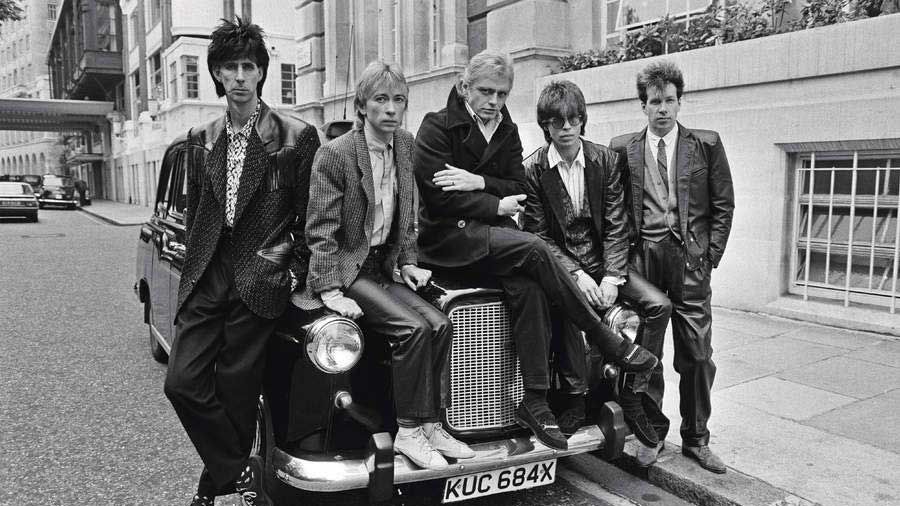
x: 244, y: 198
x: 361, y: 225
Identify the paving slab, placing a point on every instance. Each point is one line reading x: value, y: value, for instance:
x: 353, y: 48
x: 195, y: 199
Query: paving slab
x: 781, y: 353
x: 874, y: 421
x: 886, y: 353
x: 841, y: 338
x: 733, y: 370
x: 847, y: 376
x: 783, y: 398
x: 117, y: 213
x: 725, y: 338
x: 814, y: 464
x: 752, y: 323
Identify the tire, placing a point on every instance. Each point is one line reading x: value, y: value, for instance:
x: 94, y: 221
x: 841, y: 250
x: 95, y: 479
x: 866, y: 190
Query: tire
x: 33, y: 218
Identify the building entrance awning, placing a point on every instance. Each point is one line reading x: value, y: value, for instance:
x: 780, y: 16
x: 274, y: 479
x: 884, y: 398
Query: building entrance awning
x: 52, y: 115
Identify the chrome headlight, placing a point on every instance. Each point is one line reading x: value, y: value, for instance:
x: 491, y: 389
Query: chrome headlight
x: 334, y: 344
x: 623, y: 321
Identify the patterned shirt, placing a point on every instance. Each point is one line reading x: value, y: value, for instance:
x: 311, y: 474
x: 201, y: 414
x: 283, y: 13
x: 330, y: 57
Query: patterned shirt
x: 237, y: 150
x: 572, y: 175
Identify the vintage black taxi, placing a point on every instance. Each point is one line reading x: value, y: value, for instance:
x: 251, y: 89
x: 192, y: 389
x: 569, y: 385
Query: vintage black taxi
x: 325, y: 416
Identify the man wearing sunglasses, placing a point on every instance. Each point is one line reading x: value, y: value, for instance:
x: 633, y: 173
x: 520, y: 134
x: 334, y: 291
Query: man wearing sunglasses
x: 576, y: 204
x: 468, y: 167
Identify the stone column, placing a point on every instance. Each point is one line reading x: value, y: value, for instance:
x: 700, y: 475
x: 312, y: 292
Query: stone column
x: 455, y: 48
x: 310, y: 59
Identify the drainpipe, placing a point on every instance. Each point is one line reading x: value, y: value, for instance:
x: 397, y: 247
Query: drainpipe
x: 246, y: 10
x: 228, y: 9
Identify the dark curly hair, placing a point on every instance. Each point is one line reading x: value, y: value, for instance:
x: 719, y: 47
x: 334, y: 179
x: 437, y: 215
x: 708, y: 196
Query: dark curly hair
x: 657, y: 75
x: 560, y: 99
x: 234, y: 40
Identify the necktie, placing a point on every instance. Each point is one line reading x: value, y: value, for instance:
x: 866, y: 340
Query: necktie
x: 662, y: 163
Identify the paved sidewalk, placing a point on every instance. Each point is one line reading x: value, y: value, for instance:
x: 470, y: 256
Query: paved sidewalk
x: 118, y: 213
x: 809, y: 409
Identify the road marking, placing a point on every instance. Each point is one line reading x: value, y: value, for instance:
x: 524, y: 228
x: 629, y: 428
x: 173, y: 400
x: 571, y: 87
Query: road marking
x: 581, y: 483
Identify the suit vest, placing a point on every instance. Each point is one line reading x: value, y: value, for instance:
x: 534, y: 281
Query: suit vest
x: 660, y: 206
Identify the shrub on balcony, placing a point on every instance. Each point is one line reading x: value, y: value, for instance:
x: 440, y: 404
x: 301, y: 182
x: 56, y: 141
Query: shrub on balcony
x: 720, y: 24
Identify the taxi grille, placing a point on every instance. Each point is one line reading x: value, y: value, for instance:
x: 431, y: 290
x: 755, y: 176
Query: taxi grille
x: 484, y: 370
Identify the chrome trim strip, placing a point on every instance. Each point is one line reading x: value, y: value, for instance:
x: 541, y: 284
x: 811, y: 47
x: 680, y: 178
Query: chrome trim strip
x: 159, y: 338
x: 332, y: 473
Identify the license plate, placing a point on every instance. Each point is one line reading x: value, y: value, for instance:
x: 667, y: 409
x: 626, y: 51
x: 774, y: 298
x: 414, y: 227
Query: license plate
x: 58, y: 197
x: 536, y: 474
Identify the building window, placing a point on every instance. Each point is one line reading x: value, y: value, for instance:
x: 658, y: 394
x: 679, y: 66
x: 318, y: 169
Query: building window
x: 51, y: 11
x: 626, y: 15
x: 133, y: 29
x: 846, y: 239
x: 136, y: 92
x: 156, y: 78
x: 155, y: 8
x: 106, y: 27
x: 190, y: 76
x: 173, y: 81
x: 288, y: 85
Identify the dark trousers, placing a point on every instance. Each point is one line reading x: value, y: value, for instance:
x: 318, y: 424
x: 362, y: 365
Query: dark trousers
x: 420, y: 337
x: 533, y: 281
x: 662, y: 263
x: 215, y: 370
x: 644, y: 391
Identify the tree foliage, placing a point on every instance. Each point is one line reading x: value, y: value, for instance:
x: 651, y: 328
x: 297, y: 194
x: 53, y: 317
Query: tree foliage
x: 9, y: 11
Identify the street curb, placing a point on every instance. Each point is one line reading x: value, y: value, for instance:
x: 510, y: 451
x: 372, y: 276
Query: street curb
x: 107, y: 219
x: 684, y: 478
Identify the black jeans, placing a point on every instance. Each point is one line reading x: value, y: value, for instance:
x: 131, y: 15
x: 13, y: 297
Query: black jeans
x: 215, y: 369
x: 534, y: 281
x: 420, y: 337
x: 662, y: 263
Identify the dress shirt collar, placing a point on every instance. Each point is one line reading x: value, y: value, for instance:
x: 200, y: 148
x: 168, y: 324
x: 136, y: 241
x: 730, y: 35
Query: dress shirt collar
x: 248, y: 126
x: 553, y: 157
x: 669, y: 138
x: 489, y: 126
x: 375, y: 144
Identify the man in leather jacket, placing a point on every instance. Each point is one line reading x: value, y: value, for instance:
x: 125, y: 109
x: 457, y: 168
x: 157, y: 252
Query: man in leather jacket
x: 575, y: 202
x: 681, y: 202
x: 247, y: 186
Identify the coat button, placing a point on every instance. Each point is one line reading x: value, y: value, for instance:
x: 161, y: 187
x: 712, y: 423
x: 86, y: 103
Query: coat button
x: 461, y: 223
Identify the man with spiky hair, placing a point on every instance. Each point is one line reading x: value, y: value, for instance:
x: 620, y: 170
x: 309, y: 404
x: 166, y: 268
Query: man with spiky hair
x: 681, y: 200
x: 576, y: 204
x: 246, y: 201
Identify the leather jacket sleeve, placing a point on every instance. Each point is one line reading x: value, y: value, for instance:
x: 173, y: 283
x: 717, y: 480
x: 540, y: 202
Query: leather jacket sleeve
x: 615, y: 216
x: 536, y: 218
x: 721, y: 201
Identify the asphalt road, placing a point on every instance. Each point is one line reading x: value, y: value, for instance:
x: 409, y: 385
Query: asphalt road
x: 83, y: 418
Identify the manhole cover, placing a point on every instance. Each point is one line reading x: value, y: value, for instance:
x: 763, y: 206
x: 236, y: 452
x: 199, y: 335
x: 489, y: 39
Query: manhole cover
x: 40, y: 236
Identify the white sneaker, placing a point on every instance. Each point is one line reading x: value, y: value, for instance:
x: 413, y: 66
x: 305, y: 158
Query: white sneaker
x: 414, y: 444
x: 445, y: 443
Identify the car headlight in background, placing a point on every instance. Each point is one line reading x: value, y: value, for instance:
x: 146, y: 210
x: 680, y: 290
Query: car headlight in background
x: 623, y: 321
x: 334, y: 344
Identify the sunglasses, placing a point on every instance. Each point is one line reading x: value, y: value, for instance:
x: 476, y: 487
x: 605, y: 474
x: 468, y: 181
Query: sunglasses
x: 559, y: 123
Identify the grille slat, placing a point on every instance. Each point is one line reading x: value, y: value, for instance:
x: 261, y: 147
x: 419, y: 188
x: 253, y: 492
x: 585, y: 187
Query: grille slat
x: 486, y: 381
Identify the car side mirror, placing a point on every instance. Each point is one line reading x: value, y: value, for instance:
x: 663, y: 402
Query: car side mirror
x: 161, y: 208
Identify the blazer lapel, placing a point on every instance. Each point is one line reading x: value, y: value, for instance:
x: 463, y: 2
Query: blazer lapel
x: 684, y: 156
x: 475, y: 142
x: 255, y: 164
x: 635, y: 153
x: 216, y: 166
x: 555, y: 190
x: 594, y: 186
x: 365, y: 170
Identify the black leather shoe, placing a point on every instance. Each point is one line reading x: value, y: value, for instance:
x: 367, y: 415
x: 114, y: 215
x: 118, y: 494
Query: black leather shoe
x: 572, y: 418
x: 250, y: 486
x: 544, y: 427
x: 637, y: 359
x: 642, y: 429
x: 705, y: 457
x: 203, y: 500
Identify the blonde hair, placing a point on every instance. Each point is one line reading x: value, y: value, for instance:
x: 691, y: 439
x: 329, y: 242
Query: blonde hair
x: 377, y: 74
x: 487, y: 63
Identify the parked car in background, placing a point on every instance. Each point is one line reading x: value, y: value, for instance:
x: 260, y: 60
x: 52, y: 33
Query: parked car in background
x: 33, y: 180
x: 326, y: 418
x: 17, y: 199
x: 59, y: 191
